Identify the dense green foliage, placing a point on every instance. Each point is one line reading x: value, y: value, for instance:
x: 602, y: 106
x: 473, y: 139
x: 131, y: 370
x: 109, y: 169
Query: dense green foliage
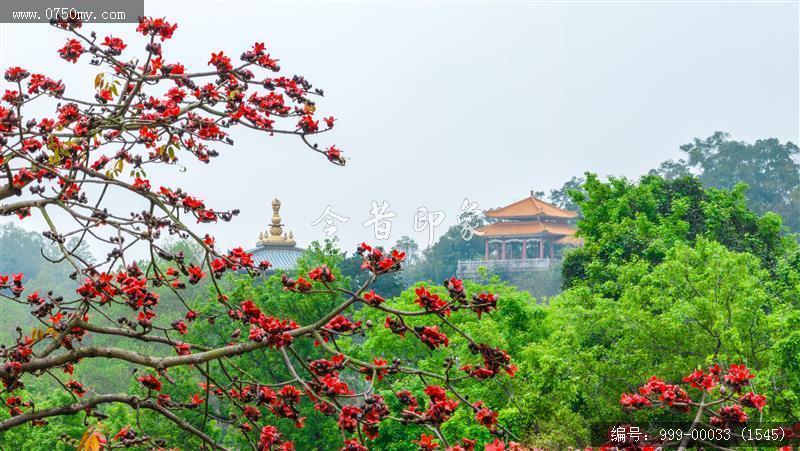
x: 625, y: 222
x: 672, y: 276
x: 516, y: 323
x: 440, y: 261
x: 769, y: 168
x: 702, y: 303
x: 564, y: 197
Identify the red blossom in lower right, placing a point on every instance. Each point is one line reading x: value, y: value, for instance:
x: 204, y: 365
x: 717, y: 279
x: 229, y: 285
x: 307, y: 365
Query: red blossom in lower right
x: 718, y: 405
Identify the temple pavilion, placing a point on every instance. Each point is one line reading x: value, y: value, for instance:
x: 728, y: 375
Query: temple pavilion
x: 277, y: 246
x: 526, y: 235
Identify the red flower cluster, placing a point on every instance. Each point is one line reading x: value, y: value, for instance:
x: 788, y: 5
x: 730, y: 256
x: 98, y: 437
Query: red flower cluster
x: 348, y: 418
x: 286, y: 405
x: 150, y: 381
x: 380, y: 373
x: 431, y: 302
x: 729, y: 416
x: 40, y: 83
x: 703, y: 381
x: 372, y: 299
x: 331, y: 385
x: 432, y: 336
x: 300, y: 285
x: 270, y: 439
x: 321, y: 367
x: 439, y: 410
x: 71, y: 51
x: 334, y: 155
x: 634, y: 401
x: 495, y: 360
x: 353, y: 445
x: 221, y: 62
x: 426, y: 443
x: 156, y: 27
x: 195, y: 274
x: 456, y: 289
x: 341, y: 324
x: 16, y: 74
x: 115, y: 45
x: 379, y: 262
x: 99, y: 287
x: 258, y: 56
x: 13, y: 403
x: 183, y: 349
x: 669, y: 394
x: 396, y: 326
x: 321, y: 274
x: 483, y: 303
x: 657, y: 393
x: 76, y: 387
x: 751, y: 399
x: 407, y: 399
x: 737, y: 377
x: 307, y: 124
x: 485, y: 416
x: 141, y: 184
x: 16, y: 287
x: 266, y: 329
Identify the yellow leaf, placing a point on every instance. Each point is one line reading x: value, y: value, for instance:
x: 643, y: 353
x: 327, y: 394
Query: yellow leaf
x: 92, y: 440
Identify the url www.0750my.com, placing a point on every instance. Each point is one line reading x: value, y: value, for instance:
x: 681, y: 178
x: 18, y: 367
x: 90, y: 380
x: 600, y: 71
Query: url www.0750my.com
x: 49, y: 14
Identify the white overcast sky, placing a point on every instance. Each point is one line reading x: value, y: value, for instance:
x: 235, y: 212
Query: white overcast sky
x: 438, y: 102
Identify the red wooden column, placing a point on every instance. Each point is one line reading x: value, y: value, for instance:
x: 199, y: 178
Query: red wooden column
x: 503, y: 257
x: 552, y: 250
x: 541, y: 249
x: 523, y: 249
x: 487, y: 250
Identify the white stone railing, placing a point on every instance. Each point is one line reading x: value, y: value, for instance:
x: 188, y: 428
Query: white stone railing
x: 469, y: 268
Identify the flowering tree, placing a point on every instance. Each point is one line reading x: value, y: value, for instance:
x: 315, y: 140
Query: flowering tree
x: 152, y: 111
x: 721, y: 407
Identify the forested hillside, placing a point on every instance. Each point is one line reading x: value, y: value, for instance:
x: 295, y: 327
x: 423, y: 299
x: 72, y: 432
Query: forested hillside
x: 673, y: 277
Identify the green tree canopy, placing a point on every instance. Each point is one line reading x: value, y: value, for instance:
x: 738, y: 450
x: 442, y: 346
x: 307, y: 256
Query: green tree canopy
x: 625, y: 221
x: 702, y: 303
x: 440, y: 261
x: 770, y: 169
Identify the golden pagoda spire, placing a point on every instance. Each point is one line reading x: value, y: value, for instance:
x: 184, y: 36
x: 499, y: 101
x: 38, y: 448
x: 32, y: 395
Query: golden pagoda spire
x: 275, y: 235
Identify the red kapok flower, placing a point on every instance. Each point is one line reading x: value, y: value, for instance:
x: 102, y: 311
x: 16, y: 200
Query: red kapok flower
x: 634, y: 401
x: 150, y: 382
x: 71, y: 51
x: 426, y: 443
x: 115, y: 45
x: 753, y: 400
x: 738, y: 376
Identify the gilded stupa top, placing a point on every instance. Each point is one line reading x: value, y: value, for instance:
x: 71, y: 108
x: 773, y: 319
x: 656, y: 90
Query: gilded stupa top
x: 275, y: 236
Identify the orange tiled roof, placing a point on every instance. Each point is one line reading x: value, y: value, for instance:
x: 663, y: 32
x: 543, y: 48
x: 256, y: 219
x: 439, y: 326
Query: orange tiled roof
x: 530, y: 207
x: 519, y: 228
